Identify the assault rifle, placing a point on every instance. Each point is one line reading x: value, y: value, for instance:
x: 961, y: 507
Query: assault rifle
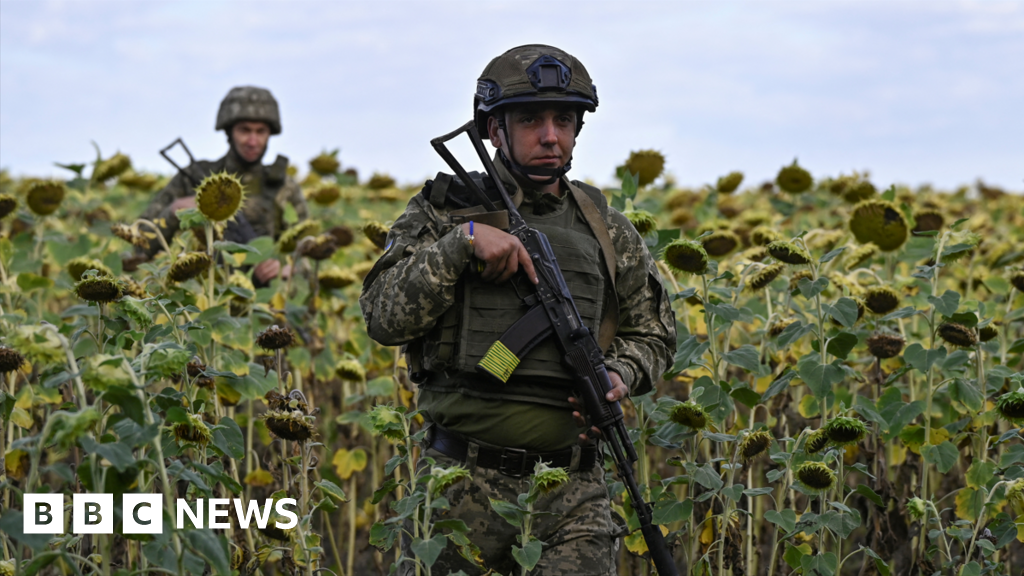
x: 553, y: 312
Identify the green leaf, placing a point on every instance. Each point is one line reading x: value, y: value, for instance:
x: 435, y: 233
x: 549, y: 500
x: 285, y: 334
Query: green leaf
x: 831, y: 255
x: 904, y: 416
x: 890, y: 194
x: 785, y: 519
x: 663, y: 239
x: 234, y: 247
x: 746, y: 396
x: 227, y: 437
x: 866, y: 491
x: 428, y: 550
x: 334, y: 491
x: 734, y: 492
x: 128, y: 402
x: 669, y: 511
x: 707, y: 477
x: 383, y: 535
x: 820, y: 378
x: 921, y: 358
x: 820, y: 565
x: 212, y: 547
x: 811, y: 289
x: 980, y: 473
x: 389, y: 486
x: 947, y: 303
x: 844, y: 311
x: 944, y: 456
x: 905, y: 312
x: 382, y: 386
x: 745, y: 357
x: 28, y: 282
x: 841, y: 344
x: 780, y: 383
x: 12, y: 524
x: 880, y: 564
x: 119, y: 455
x: 688, y: 351
x: 528, y: 555
x: 453, y: 524
x: 967, y: 394
x: 971, y: 569
x: 512, y: 514
x: 795, y: 554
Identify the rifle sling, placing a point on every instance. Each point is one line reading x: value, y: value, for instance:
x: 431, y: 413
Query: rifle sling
x: 610, y: 317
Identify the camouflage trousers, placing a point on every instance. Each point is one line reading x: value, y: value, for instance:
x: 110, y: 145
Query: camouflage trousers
x: 580, y: 538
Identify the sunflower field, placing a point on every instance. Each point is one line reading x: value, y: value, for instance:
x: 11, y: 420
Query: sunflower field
x: 846, y: 397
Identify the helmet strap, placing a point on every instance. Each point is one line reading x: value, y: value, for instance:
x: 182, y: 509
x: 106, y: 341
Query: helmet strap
x: 552, y: 174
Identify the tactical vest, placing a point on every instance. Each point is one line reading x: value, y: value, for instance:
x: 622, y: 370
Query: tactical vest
x: 444, y: 359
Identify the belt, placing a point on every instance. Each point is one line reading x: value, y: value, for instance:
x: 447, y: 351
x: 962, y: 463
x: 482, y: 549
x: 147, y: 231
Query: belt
x: 512, y: 462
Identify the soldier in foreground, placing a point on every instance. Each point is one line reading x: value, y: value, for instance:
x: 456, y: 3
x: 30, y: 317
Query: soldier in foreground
x: 449, y: 285
x: 249, y: 116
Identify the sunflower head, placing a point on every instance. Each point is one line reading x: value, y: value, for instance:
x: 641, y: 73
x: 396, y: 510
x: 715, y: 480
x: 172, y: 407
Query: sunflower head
x: 241, y: 281
x: 1015, y: 496
x: 547, y: 479
x: 130, y: 234
x: 729, y: 183
x: 844, y: 431
x: 387, y: 422
x: 188, y: 266
x: 290, y: 238
x: 101, y: 289
x: 647, y: 164
x: 10, y: 360
x: 7, y: 205
x: 788, y: 252
x: 765, y: 276
x: 343, y: 234
x: 778, y: 325
x: 642, y: 220
x: 720, y: 243
x: 857, y: 191
x: 1011, y: 406
x: 686, y: 256
x: 377, y: 232
x: 928, y: 220
x: 880, y: 222
x: 133, y: 308
x: 193, y: 430
x: 319, y: 247
x: 45, y: 196
x: 77, y: 267
x: 917, y: 508
x: 325, y: 194
x: 137, y: 181
x: 1017, y: 280
x: 816, y: 442
x: 755, y: 254
x: 111, y: 167
x: 987, y: 333
x: 380, y: 181
x: 219, y: 196
x: 816, y: 476
x: 957, y: 335
x: 334, y: 278
x: 794, y: 179
x: 689, y: 414
x: 764, y: 235
x: 755, y: 444
x: 350, y: 370
x: 881, y: 299
x: 861, y: 256
x: 445, y: 478
x: 326, y: 163
x: 275, y: 338
x: 884, y: 345
x: 291, y: 425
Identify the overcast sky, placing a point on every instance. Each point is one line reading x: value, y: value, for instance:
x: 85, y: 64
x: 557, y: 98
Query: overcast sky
x: 915, y: 92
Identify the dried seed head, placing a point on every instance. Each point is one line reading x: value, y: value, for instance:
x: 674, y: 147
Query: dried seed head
x: 111, y: 167
x: 858, y: 191
x: 188, y: 266
x: 686, y: 256
x: 445, y: 478
x: 881, y: 299
x: 219, y: 196
x: 350, y: 370
x: 880, y: 222
x: 816, y: 442
x: 647, y: 164
x: 380, y: 181
x: 290, y: 238
x: 755, y: 254
x: 291, y: 425
x: 714, y: 225
x: 196, y: 371
x: 794, y: 280
x: 689, y: 414
x: 928, y: 220
x: 10, y: 360
x: 130, y: 234
x: 136, y: 181
x: 333, y: 279
x: 816, y: 476
x: 823, y: 240
x: 755, y: 444
x: 319, y: 247
x: 193, y: 430
x: 988, y: 333
x: 343, y: 234
x: 764, y: 235
x: 765, y: 276
x: 325, y: 194
x: 377, y: 233
x: 642, y: 220
x: 844, y: 431
x: 1011, y: 406
x: 275, y: 338
x: 883, y: 345
x: 777, y: 326
x: 7, y: 205
x: 730, y: 182
x: 788, y: 252
x: 720, y: 243
x: 45, y: 196
x: 1017, y: 279
x: 326, y: 163
x: 77, y: 267
x: 102, y: 289
x: 794, y: 179
x: 861, y: 255
x: 958, y: 335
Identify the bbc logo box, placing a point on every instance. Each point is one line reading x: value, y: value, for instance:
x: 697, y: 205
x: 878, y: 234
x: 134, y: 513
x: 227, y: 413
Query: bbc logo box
x: 92, y: 514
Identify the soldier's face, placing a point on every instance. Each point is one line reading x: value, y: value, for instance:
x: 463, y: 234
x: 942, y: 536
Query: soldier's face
x: 250, y: 139
x: 543, y: 135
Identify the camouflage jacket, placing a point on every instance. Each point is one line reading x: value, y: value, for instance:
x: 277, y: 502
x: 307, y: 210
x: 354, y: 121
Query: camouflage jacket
x: 414, y: 282
x: 268, y: 190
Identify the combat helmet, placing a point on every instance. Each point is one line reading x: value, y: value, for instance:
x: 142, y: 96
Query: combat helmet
x: 532, y: 73
x: 249, y: 103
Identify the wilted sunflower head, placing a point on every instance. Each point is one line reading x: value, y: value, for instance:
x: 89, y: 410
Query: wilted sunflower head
x: 350, y: 370
x: 7, y: 204
x: 788, y: 252
x: 1017, y: 279
x: 111, y: 167
x: 1015, y: 496
x: 134, y: 309
x: 689, y: 414
x: 816, y: 442
x: 794, y: 280
x: 647, y: 164
x: 642, y: 220
x: 45, y: 196
x: 243, y: 282
x: 291, y: 425
x: 755, y: 254
x: 686, y: 256
x: 275, y: 338
x: 334, y: 278
x: 326, y: 163
x: 193, y: 430
x: 988, y: 332
x: 343, y: 234
x: 219, y: 196
x: 794, y: 179
x: 319, y: 247
x: 547, y: 479
x: 881, y: 299
x: 445, y: 478
x: 755, y: 444
x: 377, y: 232
x: 816, y: 476
x: 928, y: 220
x: 137, y: 181
x: 958, y: 335
x: 1011, y: 405
x: 290, y: 238
x: 720, y: 243
x: 844, y: 431
x: 857, y: 191
x: 964, y: 239
x: 325, y: 194
x: 917, y: 508
x: 765, y: 276
x: 884, y: 345
x: 76, y: 267
x: 880, y: 222
x: 380, y: 181
x: 861, y: 255
x: 729, y: 183
x: 10, y: 360
x: 764, y: 235
x: 778, y: 325
x: 130, y: 234
x: 101, y: 289
x: 188, y: 266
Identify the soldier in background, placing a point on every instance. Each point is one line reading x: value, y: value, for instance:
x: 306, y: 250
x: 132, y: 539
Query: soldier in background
x: 249, y: 116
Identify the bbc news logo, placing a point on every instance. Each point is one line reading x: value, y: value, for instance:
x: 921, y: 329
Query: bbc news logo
x: 143, y: 513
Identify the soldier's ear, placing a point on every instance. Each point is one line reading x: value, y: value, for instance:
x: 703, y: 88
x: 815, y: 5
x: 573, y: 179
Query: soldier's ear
x: 493, y: 132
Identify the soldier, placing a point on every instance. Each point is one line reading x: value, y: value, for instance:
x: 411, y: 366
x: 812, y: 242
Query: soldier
x: 447, y: 288
x: 249, y: 116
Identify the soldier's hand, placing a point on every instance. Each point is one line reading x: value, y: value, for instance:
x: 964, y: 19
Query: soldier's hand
x: 618, y: 392
x: 502, y: 253
x: 183, y: 203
